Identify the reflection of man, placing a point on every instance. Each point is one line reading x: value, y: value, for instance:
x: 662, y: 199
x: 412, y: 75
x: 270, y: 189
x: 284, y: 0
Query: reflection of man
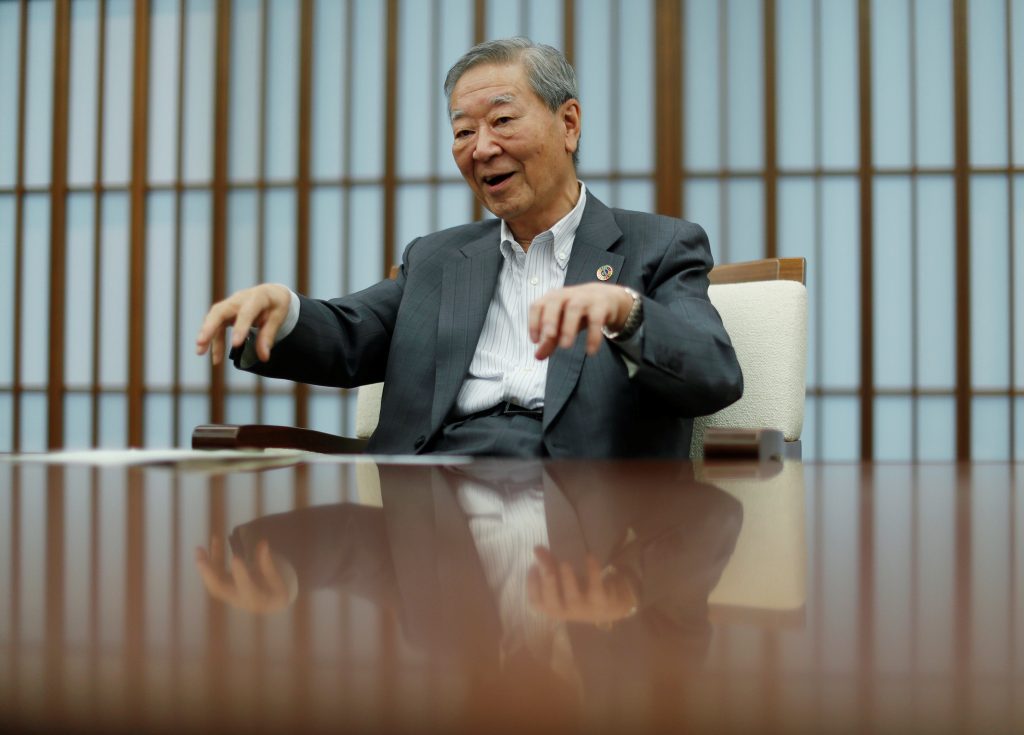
x: 569, y: 573
x: 563, y: 328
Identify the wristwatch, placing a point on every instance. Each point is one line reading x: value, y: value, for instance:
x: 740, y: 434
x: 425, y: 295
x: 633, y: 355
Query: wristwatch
x: 633, y: 319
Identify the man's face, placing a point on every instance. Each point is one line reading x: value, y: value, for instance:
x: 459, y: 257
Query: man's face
x: 515, y: 153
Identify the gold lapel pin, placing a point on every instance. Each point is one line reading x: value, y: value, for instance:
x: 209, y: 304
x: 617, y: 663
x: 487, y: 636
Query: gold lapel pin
x: 605, y: 272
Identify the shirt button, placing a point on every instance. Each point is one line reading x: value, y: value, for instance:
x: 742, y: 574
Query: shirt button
x: 534, y: 281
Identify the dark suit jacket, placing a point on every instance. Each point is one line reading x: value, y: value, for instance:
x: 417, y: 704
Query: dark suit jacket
x: 418, y: 334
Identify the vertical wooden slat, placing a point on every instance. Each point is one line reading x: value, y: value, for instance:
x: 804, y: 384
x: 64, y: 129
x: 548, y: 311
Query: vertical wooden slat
x: 19, y: 227
x: 915, y: 248
x: 1011, y: 230
x: 135, y: 590
x: 218, y: 281
x: 261, y: 175
x: 179, y: 134
x: 58, y: 226
x: 303, y: 182
x: 866, y: 597
x: 615, y: 91
x: 390, y: 135
x: 55, y: 577
x: 668, y: 91
x: 865, y: 174
x: 97, y: 224
x: 137, y: 283
x: 771, y: 160
x: 569, y: 29
x: 818, y: 224
x: 963, y: 232
x: 479, y: 34
x: 722, y: 85
x: 963, y: 548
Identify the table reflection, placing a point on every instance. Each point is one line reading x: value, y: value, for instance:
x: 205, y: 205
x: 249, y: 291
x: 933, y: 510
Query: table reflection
x: 548, y: 584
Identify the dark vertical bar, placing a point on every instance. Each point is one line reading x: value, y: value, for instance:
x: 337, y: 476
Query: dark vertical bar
x: 962, y: 590
x: 347, y: 74
x: 261, y: 176
x: 914, y: 234
x: 137, y: 283
x: 1011, y: 230
x: 14, y: 602
x: 722, y: 87
x: 94, y: 649
x: 819, y: 225
x: 866, y: 598
x: 218, y: 281
x: 771, y: 156
x: 303, y: 183
x: 216, y: 613
x: 390, y: 135
x: 668, y: 90
x: 569, y: 29
x: 55, y: 576
x: 434, y: 134
x: 963, y: 233
x: 479, y: 34
x: 867, y: 310
x: 615, y: 87
x: 134, y: 591
x: 179, y: 124
x: 19, y: 227
x: 97, y: 224
x: 58, y: 226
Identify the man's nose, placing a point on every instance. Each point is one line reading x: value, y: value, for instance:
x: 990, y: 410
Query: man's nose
x: 486, y: 145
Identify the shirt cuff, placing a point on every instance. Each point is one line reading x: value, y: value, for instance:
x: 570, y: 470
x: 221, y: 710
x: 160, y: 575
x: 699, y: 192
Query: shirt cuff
x: 631, y: 349
x: 249, y: 357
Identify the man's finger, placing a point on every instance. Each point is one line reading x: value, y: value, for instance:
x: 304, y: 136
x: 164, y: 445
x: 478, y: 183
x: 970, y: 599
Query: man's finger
x: 572, y: 316
x: 268, y: 333
x: 249, y: 591
x: 271, y: 576
x: 248, y: 313
x: 570, y: 585
x: 215, y: 581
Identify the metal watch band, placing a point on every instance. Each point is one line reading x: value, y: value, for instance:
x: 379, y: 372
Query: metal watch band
x: 633, y: 319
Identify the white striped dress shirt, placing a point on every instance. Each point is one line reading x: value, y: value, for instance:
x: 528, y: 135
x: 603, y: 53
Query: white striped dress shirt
x: 503, y: 366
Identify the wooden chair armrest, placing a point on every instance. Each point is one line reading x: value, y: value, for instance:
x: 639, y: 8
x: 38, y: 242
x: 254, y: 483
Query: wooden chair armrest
x: 732, y: 444
x: 260, y: 436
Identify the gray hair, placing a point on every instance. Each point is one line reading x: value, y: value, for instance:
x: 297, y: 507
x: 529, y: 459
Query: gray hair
x: 548, y: 72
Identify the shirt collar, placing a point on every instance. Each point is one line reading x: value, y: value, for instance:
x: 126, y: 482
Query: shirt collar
x: 563, y: 232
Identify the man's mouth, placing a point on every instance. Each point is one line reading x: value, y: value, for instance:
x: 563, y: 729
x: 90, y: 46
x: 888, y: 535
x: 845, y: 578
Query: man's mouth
x: 496, y: 180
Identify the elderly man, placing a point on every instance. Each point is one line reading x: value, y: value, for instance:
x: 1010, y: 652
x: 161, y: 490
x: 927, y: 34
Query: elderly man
x: 564, y: 328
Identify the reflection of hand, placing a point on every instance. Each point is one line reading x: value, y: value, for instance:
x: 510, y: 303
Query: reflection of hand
x: 604, y: 598
x: 558, y: 316
x: 259, y: 590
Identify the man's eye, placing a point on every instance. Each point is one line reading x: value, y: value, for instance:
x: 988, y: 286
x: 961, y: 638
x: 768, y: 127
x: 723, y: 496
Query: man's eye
x: 503, y: 120
x: 462, y: 134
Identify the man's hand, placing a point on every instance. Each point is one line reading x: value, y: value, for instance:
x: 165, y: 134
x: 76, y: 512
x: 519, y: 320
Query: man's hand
x: 264, y: 306
x: 558, y: 316
x: 604, y: 597
x: 258, y: 590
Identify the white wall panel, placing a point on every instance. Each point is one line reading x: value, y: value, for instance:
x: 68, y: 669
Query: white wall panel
x: 39, y: 94
x: 83, y: 95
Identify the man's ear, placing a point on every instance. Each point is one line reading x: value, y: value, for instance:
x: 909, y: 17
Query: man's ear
x: 571, y: 115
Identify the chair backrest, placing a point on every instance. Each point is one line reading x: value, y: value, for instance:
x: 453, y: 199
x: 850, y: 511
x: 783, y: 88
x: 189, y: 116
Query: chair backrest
x: 763, y: 305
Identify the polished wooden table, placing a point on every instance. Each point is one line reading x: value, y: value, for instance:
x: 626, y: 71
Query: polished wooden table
x: 794, y: 598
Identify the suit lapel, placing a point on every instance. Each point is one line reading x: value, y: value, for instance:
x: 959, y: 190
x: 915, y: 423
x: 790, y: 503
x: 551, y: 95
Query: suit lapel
x: 467, y: 287
x: 597, y: 232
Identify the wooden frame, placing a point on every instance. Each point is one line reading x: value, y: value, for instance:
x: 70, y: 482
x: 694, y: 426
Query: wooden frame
x: 769, y: 269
